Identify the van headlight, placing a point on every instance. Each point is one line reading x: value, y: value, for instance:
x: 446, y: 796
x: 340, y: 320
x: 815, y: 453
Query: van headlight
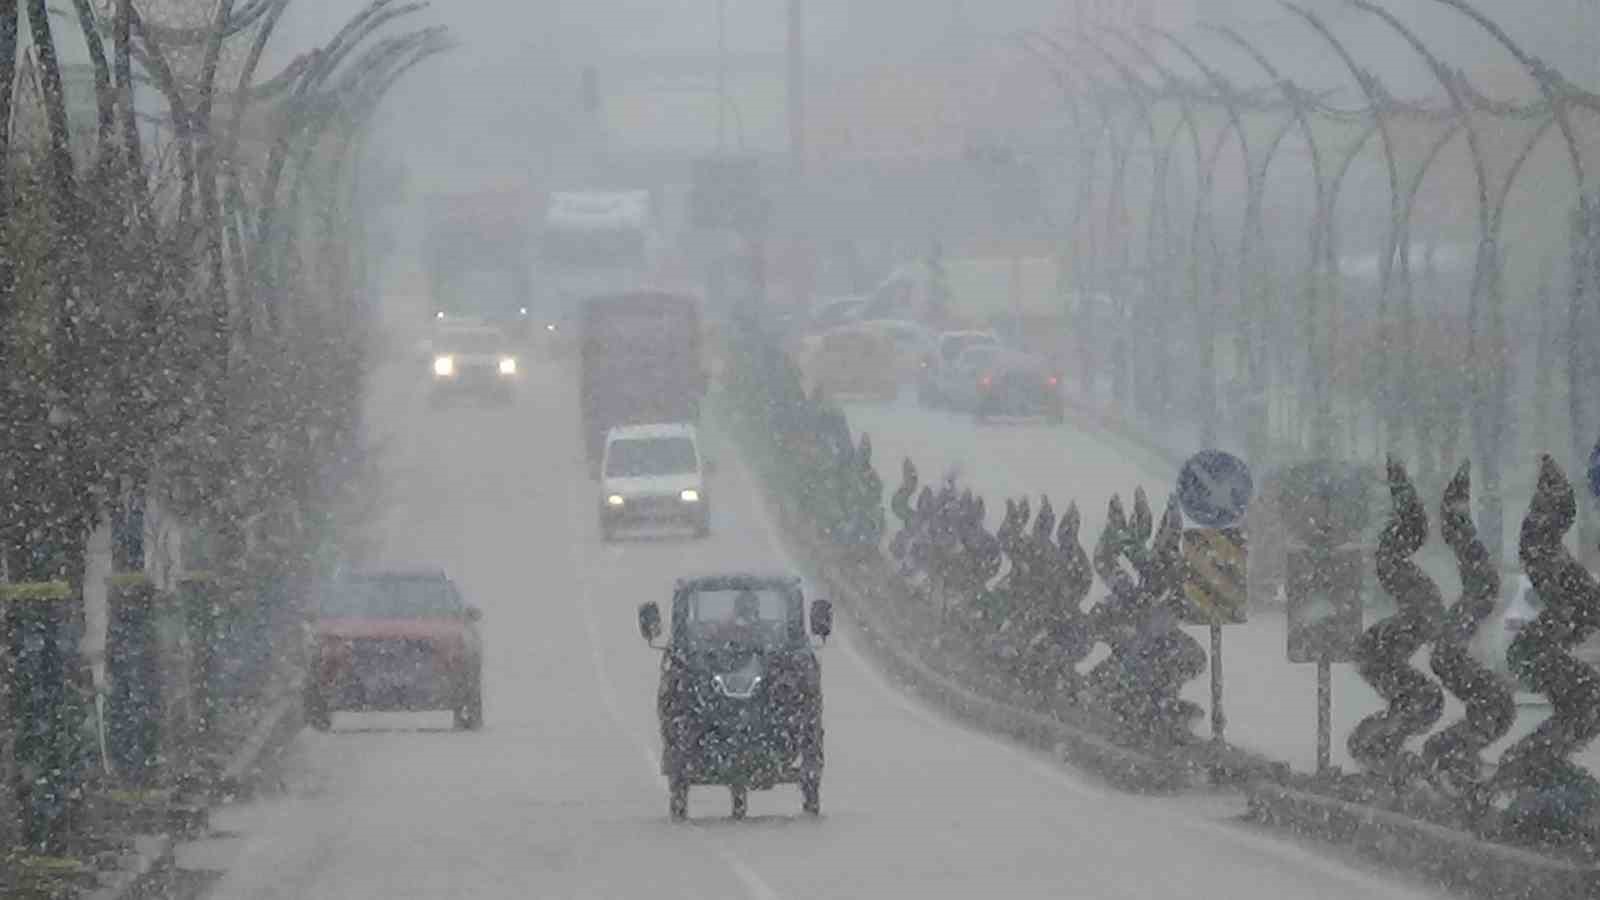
x: 444, y: 366
x: 689, y: 495
x: 614, y: 500
x: 508, y: 365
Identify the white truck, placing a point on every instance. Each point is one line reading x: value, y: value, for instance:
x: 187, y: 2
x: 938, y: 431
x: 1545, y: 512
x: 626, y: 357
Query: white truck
x: 592, y: 243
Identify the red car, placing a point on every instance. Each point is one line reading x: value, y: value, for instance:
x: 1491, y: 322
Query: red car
x: 395, y: 641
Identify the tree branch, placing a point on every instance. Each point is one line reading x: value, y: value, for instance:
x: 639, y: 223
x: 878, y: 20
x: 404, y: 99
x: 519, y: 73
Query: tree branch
x: 55, y: 103
x: 155, y: 62
x: 209, y: 220
x: 103, y: 96
x: 8, y: 78
x: 243, y: 94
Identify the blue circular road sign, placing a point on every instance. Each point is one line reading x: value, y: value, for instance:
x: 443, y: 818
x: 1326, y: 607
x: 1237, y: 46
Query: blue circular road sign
x: 1214, y: 488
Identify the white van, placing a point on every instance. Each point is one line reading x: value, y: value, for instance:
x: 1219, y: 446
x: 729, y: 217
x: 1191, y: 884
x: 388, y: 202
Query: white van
x: 653, y: 473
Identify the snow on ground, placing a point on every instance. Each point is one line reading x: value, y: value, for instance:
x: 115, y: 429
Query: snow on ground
x: 559, y: 796
x: 1269, y: 703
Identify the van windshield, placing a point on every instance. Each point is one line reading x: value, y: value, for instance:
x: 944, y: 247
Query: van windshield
x: 646, y: 457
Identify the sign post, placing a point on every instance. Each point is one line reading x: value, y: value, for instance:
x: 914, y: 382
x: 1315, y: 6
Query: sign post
x: 1214, y: 489
x: 1324, y: 592
x: 1325, y: 505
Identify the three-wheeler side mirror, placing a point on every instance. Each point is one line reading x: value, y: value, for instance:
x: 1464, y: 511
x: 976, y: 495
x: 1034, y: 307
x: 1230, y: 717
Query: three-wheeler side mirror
x: 821, y: 618
x: 650, y: 622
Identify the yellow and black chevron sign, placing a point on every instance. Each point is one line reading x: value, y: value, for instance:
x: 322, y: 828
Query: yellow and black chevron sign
x: 1214, y: 575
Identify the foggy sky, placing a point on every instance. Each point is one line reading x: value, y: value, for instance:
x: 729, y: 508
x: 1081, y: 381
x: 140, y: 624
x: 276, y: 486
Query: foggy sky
x: 514, y: 81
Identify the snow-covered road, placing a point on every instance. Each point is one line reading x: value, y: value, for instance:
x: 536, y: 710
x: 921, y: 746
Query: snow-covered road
x: 1270, y: 703
x: 558, y: 796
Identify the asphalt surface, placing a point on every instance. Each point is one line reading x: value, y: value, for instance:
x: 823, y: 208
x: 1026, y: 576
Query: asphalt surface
x: 559, y: 796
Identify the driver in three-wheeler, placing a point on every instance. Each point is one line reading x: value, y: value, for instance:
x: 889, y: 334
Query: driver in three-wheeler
x: 741, y: 688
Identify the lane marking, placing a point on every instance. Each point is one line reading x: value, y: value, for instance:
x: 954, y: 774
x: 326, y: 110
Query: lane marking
x: 755, y: 886
x: 1055, y: 772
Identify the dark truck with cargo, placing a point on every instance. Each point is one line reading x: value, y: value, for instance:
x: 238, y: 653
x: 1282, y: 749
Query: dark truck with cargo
x: 640, y: 364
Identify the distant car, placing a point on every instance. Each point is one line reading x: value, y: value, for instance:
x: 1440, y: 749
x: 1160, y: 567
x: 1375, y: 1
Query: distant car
x: 990, y: 381
x: 850, y: 363
x: 1522, y: 605
x: 653, y: 473
x: 394, y: 641
x: 948, y: 348
x: 740, y: 696
x: 473, y: 359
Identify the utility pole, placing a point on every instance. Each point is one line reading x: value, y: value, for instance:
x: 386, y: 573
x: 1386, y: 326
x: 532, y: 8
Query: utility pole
x: 722, y: 74
x: 799, y: 197
x: 797, y: 88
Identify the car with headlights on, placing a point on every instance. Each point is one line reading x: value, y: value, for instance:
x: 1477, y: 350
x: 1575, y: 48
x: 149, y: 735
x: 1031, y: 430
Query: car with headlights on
x: 740, y: 696
x: 394, y: 640
x: 473, y: 359
x: 653, y: 474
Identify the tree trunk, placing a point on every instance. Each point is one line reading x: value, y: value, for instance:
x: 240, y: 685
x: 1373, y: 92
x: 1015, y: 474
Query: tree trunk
x: 8, y: 78
x: 209, y: 219
x: 104, y: 97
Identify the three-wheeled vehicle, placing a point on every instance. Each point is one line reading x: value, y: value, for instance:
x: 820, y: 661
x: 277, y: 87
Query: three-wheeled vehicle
x: 740, y: 699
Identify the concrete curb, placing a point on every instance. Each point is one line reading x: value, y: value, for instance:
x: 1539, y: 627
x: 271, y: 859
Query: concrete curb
x: 1122, y: 766
x: 1455, y: 859
x: 1461, y: 861
x: 155, y: 853
x: 1125, y: 767
x: 281, y: 722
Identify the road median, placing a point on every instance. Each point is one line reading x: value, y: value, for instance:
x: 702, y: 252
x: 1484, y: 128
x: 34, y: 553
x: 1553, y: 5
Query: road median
x: 902, y: 636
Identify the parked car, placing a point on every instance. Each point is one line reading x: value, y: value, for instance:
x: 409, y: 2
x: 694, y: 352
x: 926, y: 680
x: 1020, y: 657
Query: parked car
x: 653, y: 474
x: 948, y: 347
x: 394, y: 640
x: 740, y: 696
x: 851, y: 362
x: 990, y: 381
